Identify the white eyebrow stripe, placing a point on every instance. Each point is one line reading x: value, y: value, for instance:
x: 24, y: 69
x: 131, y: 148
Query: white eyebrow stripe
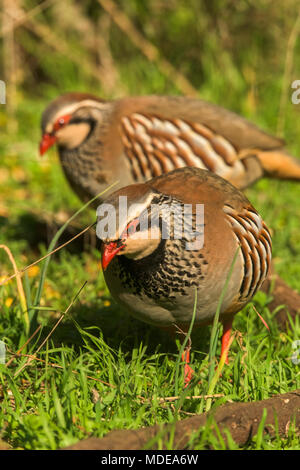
x: 72, y: 108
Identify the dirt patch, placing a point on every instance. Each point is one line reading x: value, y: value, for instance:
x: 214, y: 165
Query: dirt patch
x: 4, y: 445
x: 241, y: 419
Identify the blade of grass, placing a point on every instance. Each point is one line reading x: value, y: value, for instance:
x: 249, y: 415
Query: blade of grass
x: 7, y: 279
x: 213, y: 375
x: 24, y: 345
x: 260, y: 430
x: 58, y: 406
x: 186, y: 339
x: 27, y: 290
x: 54, y: 327
x: 21, y: 293
x: 60, y: 231
x: 51, y: 248
x: 215, y: 326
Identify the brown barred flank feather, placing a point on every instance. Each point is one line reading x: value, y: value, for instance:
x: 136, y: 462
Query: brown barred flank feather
x: 155, y: 145
x: 255, y: 241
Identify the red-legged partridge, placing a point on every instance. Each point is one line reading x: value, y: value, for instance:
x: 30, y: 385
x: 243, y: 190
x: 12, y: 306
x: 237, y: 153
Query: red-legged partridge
x: 134, y: 139
x: 153, y: 271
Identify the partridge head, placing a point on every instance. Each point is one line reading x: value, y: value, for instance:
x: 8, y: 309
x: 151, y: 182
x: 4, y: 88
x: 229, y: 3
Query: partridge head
x: 134, y: 139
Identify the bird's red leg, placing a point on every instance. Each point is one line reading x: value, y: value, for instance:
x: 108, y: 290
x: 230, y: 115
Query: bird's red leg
x: 188, y: 371
x: 185, y: 357
x: 227, y: 326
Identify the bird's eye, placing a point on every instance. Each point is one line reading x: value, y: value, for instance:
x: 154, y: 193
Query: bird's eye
x: 132, y: 227
x: 59, y: 123
x: 62, y: 121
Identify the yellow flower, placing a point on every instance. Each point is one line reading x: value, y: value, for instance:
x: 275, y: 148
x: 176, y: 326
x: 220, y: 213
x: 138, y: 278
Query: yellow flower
x: 33, y: 271
x: 4, y: 175
x: 3, y: 211
x: 9, y: 301
x: 21, y: 194
x: 2, y: 279
x: 49, y: 292
x: 282, y: 337
x: 106, y: 303
x: 18, y: 174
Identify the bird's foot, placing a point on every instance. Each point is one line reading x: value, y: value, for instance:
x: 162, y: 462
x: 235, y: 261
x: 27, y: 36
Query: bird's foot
x: 188, y: 371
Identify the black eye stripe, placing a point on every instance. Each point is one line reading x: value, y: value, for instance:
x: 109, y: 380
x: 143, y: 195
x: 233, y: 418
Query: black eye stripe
x: 79, y: 120
x: 133, y: 226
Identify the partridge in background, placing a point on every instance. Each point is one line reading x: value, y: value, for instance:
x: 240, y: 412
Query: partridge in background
x: 154, y: 277
x: 134, y: 139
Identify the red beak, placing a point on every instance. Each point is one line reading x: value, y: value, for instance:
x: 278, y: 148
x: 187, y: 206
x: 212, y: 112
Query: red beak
x: 46, y: 142
x: 109, y: 251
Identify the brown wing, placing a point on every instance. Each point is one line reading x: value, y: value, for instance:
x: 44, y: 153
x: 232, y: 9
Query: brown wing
x: 154, y: 145
x: 199, y: 187
x: 241, y: 133
x: 256, y: 246
x: 160, y: 134
x: 218, y: 196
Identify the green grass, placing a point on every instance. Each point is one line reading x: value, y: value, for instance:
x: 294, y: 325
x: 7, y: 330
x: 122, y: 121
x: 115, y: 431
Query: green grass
x: 102, y: 370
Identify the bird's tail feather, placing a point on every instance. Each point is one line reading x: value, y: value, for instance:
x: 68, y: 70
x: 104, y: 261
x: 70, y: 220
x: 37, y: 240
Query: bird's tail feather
x: 278, y: 164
